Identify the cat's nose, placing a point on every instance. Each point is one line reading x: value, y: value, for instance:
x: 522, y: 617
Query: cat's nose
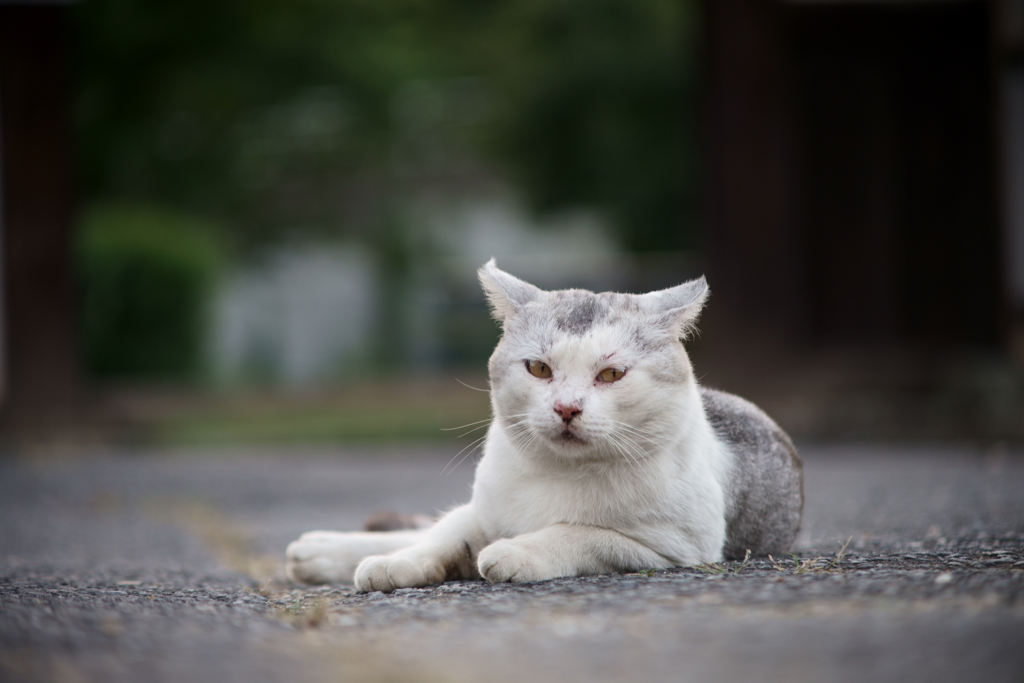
x: 568, y: 411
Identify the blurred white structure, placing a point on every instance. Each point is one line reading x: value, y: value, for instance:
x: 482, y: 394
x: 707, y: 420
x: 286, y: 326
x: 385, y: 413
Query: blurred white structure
x: 311, y: 315
x: 573, y: 249
x: 295, y: 319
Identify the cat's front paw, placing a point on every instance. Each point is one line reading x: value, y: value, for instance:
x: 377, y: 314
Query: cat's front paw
x: 391, y: 572
x: 510, y: 561
x: 323, y: 557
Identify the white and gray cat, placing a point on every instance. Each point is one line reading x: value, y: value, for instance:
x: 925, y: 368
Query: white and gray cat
x: 604, y: 455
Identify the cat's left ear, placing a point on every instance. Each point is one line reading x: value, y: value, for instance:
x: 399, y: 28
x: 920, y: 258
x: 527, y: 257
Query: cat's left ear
x: 677, y: 307
x: 506, y: 294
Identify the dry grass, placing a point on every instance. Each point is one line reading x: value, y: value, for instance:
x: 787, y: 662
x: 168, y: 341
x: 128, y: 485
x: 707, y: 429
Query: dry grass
x: 724, y: 567
x: 305, y: 614
x: 812, y: 565
x: 794, y: 565
x: 230, y: 544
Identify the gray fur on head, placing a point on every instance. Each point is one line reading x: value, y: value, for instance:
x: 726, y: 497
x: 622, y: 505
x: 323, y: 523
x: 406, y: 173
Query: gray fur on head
x: 506, y: 294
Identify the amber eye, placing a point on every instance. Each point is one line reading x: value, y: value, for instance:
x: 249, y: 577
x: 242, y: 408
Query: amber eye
x: 538, y: 369
x: 610, y: 375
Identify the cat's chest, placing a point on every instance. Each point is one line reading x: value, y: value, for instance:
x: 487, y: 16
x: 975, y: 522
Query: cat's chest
x: 513, y: 502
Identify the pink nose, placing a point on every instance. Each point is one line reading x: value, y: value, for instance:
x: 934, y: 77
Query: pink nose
x: 568, y: 412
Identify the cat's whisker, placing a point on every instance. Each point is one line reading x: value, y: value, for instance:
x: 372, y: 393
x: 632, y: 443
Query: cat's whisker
x: 629, y: 459
x: 650, y: 438
x: 468, y: 424
x: 517, y: 429
x: 476, y: 444
x: 619, y: 445
x: 638, y: 453
x: 486, y: 391
x: 522, y: 437
x: 474, y: 429
x: 469, y: 445
x: 486, y: 423
x: 625, y: 456
x: 634, y: 439
x: 643, y: 437
x: 634, y: 429
x: 629, y: 438
x: 515, y: 424
x: 514, y: 434
x: 464, y: 458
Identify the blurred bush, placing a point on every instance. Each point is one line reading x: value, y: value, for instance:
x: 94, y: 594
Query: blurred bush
x: 314, y: 117
x: 145, y: 275
x: 603, y: 115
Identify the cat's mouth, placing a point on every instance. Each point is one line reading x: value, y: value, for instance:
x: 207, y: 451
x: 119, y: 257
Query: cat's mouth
x: 569, y: 436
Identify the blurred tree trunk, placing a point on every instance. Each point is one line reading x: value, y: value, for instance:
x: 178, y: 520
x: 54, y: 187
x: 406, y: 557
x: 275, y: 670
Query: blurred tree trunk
x: 850, y: 173
x: 40, y: 375
x: 853, y: 236
x: 753, y: 246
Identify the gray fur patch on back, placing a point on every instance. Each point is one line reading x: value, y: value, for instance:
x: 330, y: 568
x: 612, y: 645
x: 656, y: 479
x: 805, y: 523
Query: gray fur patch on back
x: 765, y: 492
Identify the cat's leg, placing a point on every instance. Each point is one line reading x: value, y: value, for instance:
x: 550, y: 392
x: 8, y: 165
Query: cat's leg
x: 565, y: 550
x: 332, y: 556
x: 447, y: 551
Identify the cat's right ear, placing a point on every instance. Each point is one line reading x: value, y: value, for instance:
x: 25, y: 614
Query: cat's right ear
x: 677, y: 308
x: 506, y: 294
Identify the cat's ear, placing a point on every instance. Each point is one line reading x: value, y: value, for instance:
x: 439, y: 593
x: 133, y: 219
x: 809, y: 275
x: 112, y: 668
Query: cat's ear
x: 506, y: 294
x: 677, y: 307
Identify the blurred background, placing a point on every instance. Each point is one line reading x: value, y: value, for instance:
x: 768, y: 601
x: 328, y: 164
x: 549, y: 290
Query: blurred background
x: 259, y: 222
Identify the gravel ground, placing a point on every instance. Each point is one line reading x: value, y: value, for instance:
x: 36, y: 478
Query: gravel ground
x: 168, y: 567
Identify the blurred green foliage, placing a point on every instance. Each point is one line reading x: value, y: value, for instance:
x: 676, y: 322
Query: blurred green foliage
x: 144, y: 277
x: 603, y: 113
x: 276, y: 117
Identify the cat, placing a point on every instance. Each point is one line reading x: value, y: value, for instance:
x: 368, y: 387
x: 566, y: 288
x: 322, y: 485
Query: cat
x: 603, y: 455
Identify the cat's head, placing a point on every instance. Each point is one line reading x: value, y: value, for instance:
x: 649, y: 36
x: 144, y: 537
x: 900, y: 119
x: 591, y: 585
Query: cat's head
x: 584, y: 375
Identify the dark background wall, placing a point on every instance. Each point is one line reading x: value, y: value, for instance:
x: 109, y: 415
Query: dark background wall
x: 40, y: 370
x: 894, y: 110
x: 858, y: 213
x: 852, y: 172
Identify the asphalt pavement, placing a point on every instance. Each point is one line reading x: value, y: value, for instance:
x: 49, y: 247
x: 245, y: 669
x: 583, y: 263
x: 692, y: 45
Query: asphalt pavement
x: 168, y: 566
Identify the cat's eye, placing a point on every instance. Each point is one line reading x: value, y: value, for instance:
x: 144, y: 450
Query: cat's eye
x: 538, y: 369
x: 610, y: 375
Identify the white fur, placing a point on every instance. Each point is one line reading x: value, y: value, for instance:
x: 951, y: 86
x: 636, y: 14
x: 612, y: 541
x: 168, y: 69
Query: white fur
x: 639, y: 485
x: 332, y: 556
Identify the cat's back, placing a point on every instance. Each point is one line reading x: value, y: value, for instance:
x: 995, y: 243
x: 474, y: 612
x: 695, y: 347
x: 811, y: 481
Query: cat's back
x: 764, y: 493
